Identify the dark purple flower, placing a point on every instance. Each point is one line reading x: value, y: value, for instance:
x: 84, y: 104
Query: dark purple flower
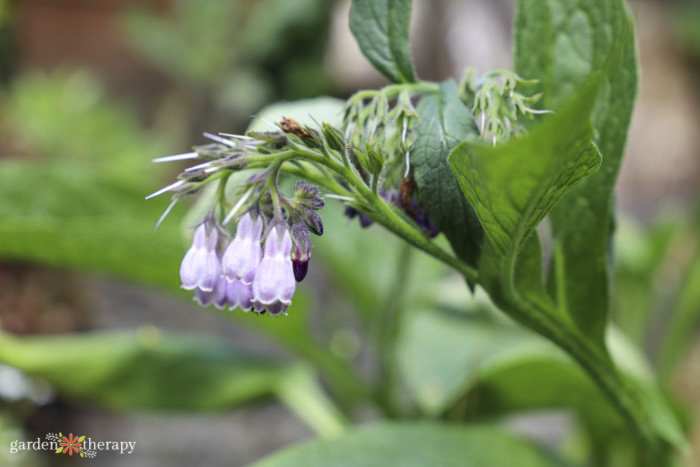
x: 274, y: 282
x: 242, y: 257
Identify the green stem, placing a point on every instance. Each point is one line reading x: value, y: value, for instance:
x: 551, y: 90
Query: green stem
x: 386, y: 332
x: 540, y: 317
x: 388, y: 216
x: 300, y: 392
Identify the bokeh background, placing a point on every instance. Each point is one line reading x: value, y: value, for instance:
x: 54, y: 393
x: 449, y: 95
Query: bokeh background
x: 110, y: 84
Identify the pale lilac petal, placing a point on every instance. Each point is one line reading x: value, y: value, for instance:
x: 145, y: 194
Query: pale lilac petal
x: 220, y: 292
x: 274, y: 282
x: 199, y: 240
x: 277, y: 308
x: 242, y: 257
x: 278, y: 242
x: 211, y: 271
x: 239, y: 295
x: 265, y: 284
x: 202, y: 297
x: 192, y: 265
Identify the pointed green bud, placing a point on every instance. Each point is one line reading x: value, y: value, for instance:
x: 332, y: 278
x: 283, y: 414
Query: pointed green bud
x: 313, y: 140
x: 334, y: 137
x: 375, y: 159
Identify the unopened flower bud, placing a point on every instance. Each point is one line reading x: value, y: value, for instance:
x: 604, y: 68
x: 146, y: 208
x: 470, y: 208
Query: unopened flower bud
x: 308, y: 195
x: 375, y: 159
x: 301, y: 253
x: 313, y: 221
x: 334, y: 137
x: 314, y: 139
x: 358, y: 160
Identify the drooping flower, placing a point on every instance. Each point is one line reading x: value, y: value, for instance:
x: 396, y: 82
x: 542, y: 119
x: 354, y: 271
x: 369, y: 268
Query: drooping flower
x: 274, y: 282
x: 242, y: 256
x: 239, y: 295
x: 301, y: 252
x: 217, y: 296
x: 201, y: 266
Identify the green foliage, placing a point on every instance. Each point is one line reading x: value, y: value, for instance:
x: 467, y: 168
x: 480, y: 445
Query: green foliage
x: 442, y: 354
x: 415, y: 445
x: 381, y: 29
x: 434, y: 350
x: 69, y: 217
x: 561, y: 47
x: 66, y: 116
x: 444, y: 123
x: 514, y: 185
x: 139, y: 370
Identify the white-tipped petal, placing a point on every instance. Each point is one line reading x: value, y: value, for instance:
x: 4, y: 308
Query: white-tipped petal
x: 219, y: 139
x: 176, y: 157
x: 177, y: 184
x: 165, y: 214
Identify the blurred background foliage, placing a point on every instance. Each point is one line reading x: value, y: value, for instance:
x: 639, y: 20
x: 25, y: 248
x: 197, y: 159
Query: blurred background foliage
x: 91, y: 91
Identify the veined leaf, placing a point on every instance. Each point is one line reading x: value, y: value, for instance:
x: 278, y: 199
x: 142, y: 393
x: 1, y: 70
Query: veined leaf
x: 381, y: 28
x: 445, y: 122
x: 560, y: 44
x: 514, y: 185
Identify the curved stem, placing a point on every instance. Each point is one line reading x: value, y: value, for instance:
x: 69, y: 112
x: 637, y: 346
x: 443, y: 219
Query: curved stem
x: 623, y: 396
x: 388, y: 216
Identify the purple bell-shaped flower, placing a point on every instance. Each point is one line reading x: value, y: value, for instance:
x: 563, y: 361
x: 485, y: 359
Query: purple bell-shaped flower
x: 242, y: 257
x: 239, y: 295
x: 217, y: 296
x: 201, y: 266
x: 274, y: 283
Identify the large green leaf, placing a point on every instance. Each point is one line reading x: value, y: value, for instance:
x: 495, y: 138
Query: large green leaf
x: 415, y: 445
x: 560, y: 44
x: 514, y: 185
x: 381, y: 28
x: 68, y: 217
x: 144, y: 369
x: 445, y: 122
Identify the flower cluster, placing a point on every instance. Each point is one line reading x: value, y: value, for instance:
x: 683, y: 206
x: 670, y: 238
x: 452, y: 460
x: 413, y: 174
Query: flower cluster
x: 496, y: 99
x: 258, y: 267
x: 237, y: 273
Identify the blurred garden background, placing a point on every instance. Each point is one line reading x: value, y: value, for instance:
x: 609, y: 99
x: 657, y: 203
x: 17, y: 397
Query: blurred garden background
x: 92, y: 90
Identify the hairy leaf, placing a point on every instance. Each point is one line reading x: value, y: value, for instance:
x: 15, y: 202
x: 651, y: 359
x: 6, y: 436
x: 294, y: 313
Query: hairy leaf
x: 445, y: 122
x: 514, y: 185
x: 560, y: 44
x: 381, y: 28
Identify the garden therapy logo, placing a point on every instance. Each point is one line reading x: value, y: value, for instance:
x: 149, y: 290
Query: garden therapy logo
x: 78, y: 445
x: 70, y: 444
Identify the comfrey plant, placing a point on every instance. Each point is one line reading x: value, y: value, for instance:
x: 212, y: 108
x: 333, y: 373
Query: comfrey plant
x: 482, y: 162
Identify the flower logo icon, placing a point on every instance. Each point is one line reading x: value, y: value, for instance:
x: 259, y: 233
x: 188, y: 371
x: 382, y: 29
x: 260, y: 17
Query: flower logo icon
x: 70, y: 444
